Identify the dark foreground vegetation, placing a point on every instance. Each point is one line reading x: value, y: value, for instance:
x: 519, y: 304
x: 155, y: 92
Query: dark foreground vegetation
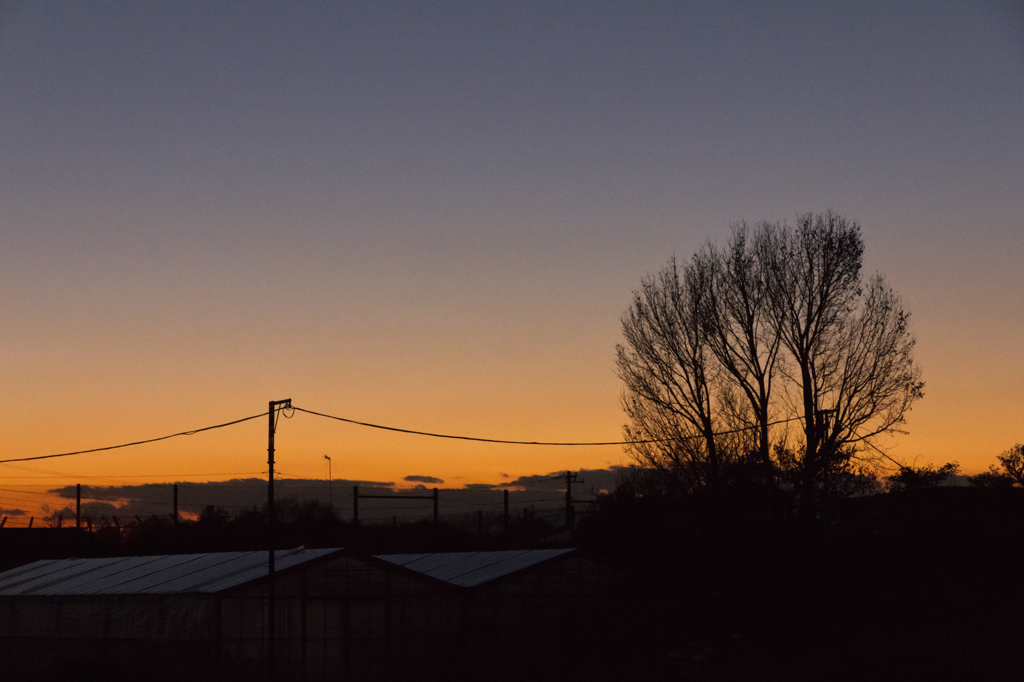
x: 919, y: 583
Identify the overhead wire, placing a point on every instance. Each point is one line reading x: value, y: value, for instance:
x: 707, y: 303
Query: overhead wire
x: 883, y: 453
x: 297, y: 477
x: 526, y: 442
x: 294, y: 409
x: 113, y: 478
x: 138, y: 442
x: 27, y: 492
x: 109, y: 480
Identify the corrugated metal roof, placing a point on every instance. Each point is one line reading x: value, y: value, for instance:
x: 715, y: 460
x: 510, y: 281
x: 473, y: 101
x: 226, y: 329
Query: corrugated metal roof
x: 469, y: 569
x: 169, y: 574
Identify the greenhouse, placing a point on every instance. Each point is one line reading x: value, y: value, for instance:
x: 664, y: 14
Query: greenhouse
x: 336, y: 616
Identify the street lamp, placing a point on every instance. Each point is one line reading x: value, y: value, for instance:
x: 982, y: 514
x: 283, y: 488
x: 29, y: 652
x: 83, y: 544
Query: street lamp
x: 330, y: 484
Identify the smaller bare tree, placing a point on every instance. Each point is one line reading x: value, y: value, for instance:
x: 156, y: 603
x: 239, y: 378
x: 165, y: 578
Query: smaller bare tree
x: 1013, y: 461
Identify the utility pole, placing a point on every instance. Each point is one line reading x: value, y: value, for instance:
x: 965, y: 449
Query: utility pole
x: 825, y: 418
x: 330, y: 484
x: 78, y: 506
x: 570, y: 511
x: 271, y: 614
x: 175, y: 517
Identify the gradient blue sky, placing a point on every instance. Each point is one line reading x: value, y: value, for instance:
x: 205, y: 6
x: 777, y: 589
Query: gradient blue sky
x: 433, y: 214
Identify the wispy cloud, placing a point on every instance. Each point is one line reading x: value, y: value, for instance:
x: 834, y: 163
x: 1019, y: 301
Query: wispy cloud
x: 423, y: 479
x: 591, y: 480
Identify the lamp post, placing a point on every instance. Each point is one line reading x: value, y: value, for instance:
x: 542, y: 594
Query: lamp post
x: 330, y: 484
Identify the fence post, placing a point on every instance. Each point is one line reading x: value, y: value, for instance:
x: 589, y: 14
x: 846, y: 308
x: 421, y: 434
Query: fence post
x: 570, y: 518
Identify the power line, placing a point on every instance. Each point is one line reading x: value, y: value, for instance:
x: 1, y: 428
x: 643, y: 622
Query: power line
x: 27, y: 492
x: 110, y: 480
x: 397, y: 430
x: 119, y: 476
x: 528, y: 442
x: 138, y: 442
x: 441, y: 435
x: 880, y: 451
x: 297, y: 477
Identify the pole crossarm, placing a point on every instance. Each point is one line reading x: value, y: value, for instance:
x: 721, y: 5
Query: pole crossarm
x: 395, y: 497
x: 356, y: 497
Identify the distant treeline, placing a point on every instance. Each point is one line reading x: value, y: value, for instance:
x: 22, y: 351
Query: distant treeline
x: 112, y: 504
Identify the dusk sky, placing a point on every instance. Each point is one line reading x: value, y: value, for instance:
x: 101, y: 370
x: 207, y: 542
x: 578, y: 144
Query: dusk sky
x: 432, y: 215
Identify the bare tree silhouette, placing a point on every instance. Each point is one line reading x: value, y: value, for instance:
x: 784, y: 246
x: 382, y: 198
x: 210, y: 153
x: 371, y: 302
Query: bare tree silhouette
x: 778, y: 324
